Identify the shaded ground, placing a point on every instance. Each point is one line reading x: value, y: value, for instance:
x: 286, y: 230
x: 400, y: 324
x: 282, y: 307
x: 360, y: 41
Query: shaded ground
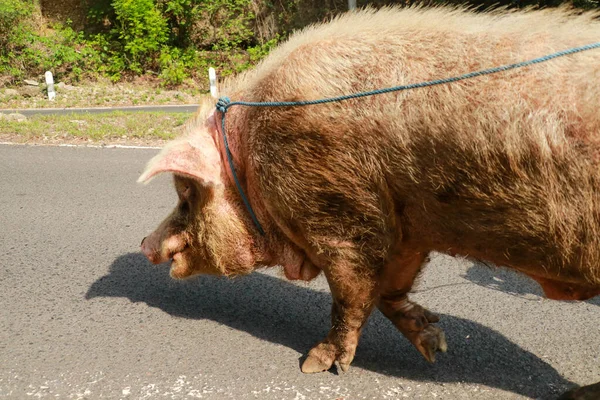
x: 509, y: 282
x: 85, y: 316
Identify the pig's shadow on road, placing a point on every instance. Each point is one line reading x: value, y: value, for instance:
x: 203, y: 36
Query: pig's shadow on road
x: 298, y: 317
x: 508, y: 281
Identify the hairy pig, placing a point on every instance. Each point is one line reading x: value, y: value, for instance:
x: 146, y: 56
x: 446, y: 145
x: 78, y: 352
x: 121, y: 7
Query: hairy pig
x: 503, y: 168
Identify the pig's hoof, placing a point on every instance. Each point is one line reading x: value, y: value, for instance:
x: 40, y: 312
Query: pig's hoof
x: 344, y: 366
x: 313, y: 364
x: 429, y: 341
x: 319, y: 359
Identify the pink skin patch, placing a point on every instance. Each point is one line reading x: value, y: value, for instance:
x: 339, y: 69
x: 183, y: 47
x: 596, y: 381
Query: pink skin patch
x: 150, y: 247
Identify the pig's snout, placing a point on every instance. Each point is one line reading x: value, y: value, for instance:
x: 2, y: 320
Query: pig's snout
x: 151, y: 252
x: 158, y: 251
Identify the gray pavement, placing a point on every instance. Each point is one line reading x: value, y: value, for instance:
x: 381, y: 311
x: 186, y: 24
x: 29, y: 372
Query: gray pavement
x: 83, y: 315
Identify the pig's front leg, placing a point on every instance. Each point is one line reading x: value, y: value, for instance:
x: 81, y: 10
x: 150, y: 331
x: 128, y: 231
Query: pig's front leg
x: 353, y: 300
x: 414, y: 321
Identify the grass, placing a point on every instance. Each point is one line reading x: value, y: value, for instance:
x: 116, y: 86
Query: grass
x: 105, y: 128
x: 100, y: 94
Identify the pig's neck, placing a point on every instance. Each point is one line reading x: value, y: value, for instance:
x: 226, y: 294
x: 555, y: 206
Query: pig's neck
x: 272, y: 248
x: 235, y: 118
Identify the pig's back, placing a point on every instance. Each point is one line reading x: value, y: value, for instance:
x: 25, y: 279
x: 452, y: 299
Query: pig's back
x: 502, y: 166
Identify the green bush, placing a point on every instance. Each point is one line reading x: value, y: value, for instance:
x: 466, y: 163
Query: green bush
x: 586, y: 4
x: 141, y: 30
x: 181, y: 15
x: 14, y: 17
x: 173, y: 66
x: 175, y: 39
x: 172, y: 40
x: 230, y: 24
x: 26, y: 52
x: 12, y: 13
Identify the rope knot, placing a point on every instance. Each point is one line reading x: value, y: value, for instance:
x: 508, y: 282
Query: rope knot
x: 222, y: 104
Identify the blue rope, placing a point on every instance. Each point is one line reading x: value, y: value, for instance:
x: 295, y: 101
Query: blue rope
x: 237, y: 182
x: 224, y: 103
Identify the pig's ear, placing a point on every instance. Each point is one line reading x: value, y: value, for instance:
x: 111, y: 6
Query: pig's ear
x: 195, y: 156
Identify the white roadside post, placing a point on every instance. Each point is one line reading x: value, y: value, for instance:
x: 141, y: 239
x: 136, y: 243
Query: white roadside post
x: 212, y: 77
x: 351, y: 5
x: 50, y: 85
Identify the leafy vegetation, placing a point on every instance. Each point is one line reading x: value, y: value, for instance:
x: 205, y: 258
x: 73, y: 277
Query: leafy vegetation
x: 103, y: 93
x: 113, y: 127
x: 168, y: 41
x: 23, y: 48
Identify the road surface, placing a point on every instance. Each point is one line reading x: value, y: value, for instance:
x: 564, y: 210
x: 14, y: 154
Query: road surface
x: 83, y: 315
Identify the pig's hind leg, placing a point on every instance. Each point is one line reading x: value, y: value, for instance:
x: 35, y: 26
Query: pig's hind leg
x: 413, y: 320
x: 590, y: 392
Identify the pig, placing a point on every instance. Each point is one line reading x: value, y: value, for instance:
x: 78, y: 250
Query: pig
x: 503, y: 168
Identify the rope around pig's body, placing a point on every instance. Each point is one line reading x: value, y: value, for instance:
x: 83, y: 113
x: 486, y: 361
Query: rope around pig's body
x: 224, y: 103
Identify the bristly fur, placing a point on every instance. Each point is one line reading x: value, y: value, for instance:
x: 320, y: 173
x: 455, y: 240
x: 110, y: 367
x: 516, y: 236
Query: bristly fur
x: 518, y: 150
x: 502, y: 168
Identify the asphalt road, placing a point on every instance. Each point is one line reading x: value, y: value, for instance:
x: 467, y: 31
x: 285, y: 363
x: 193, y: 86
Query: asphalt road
x: 84, y: 315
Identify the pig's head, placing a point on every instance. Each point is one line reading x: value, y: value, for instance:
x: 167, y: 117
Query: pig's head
x: 207, y: 231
